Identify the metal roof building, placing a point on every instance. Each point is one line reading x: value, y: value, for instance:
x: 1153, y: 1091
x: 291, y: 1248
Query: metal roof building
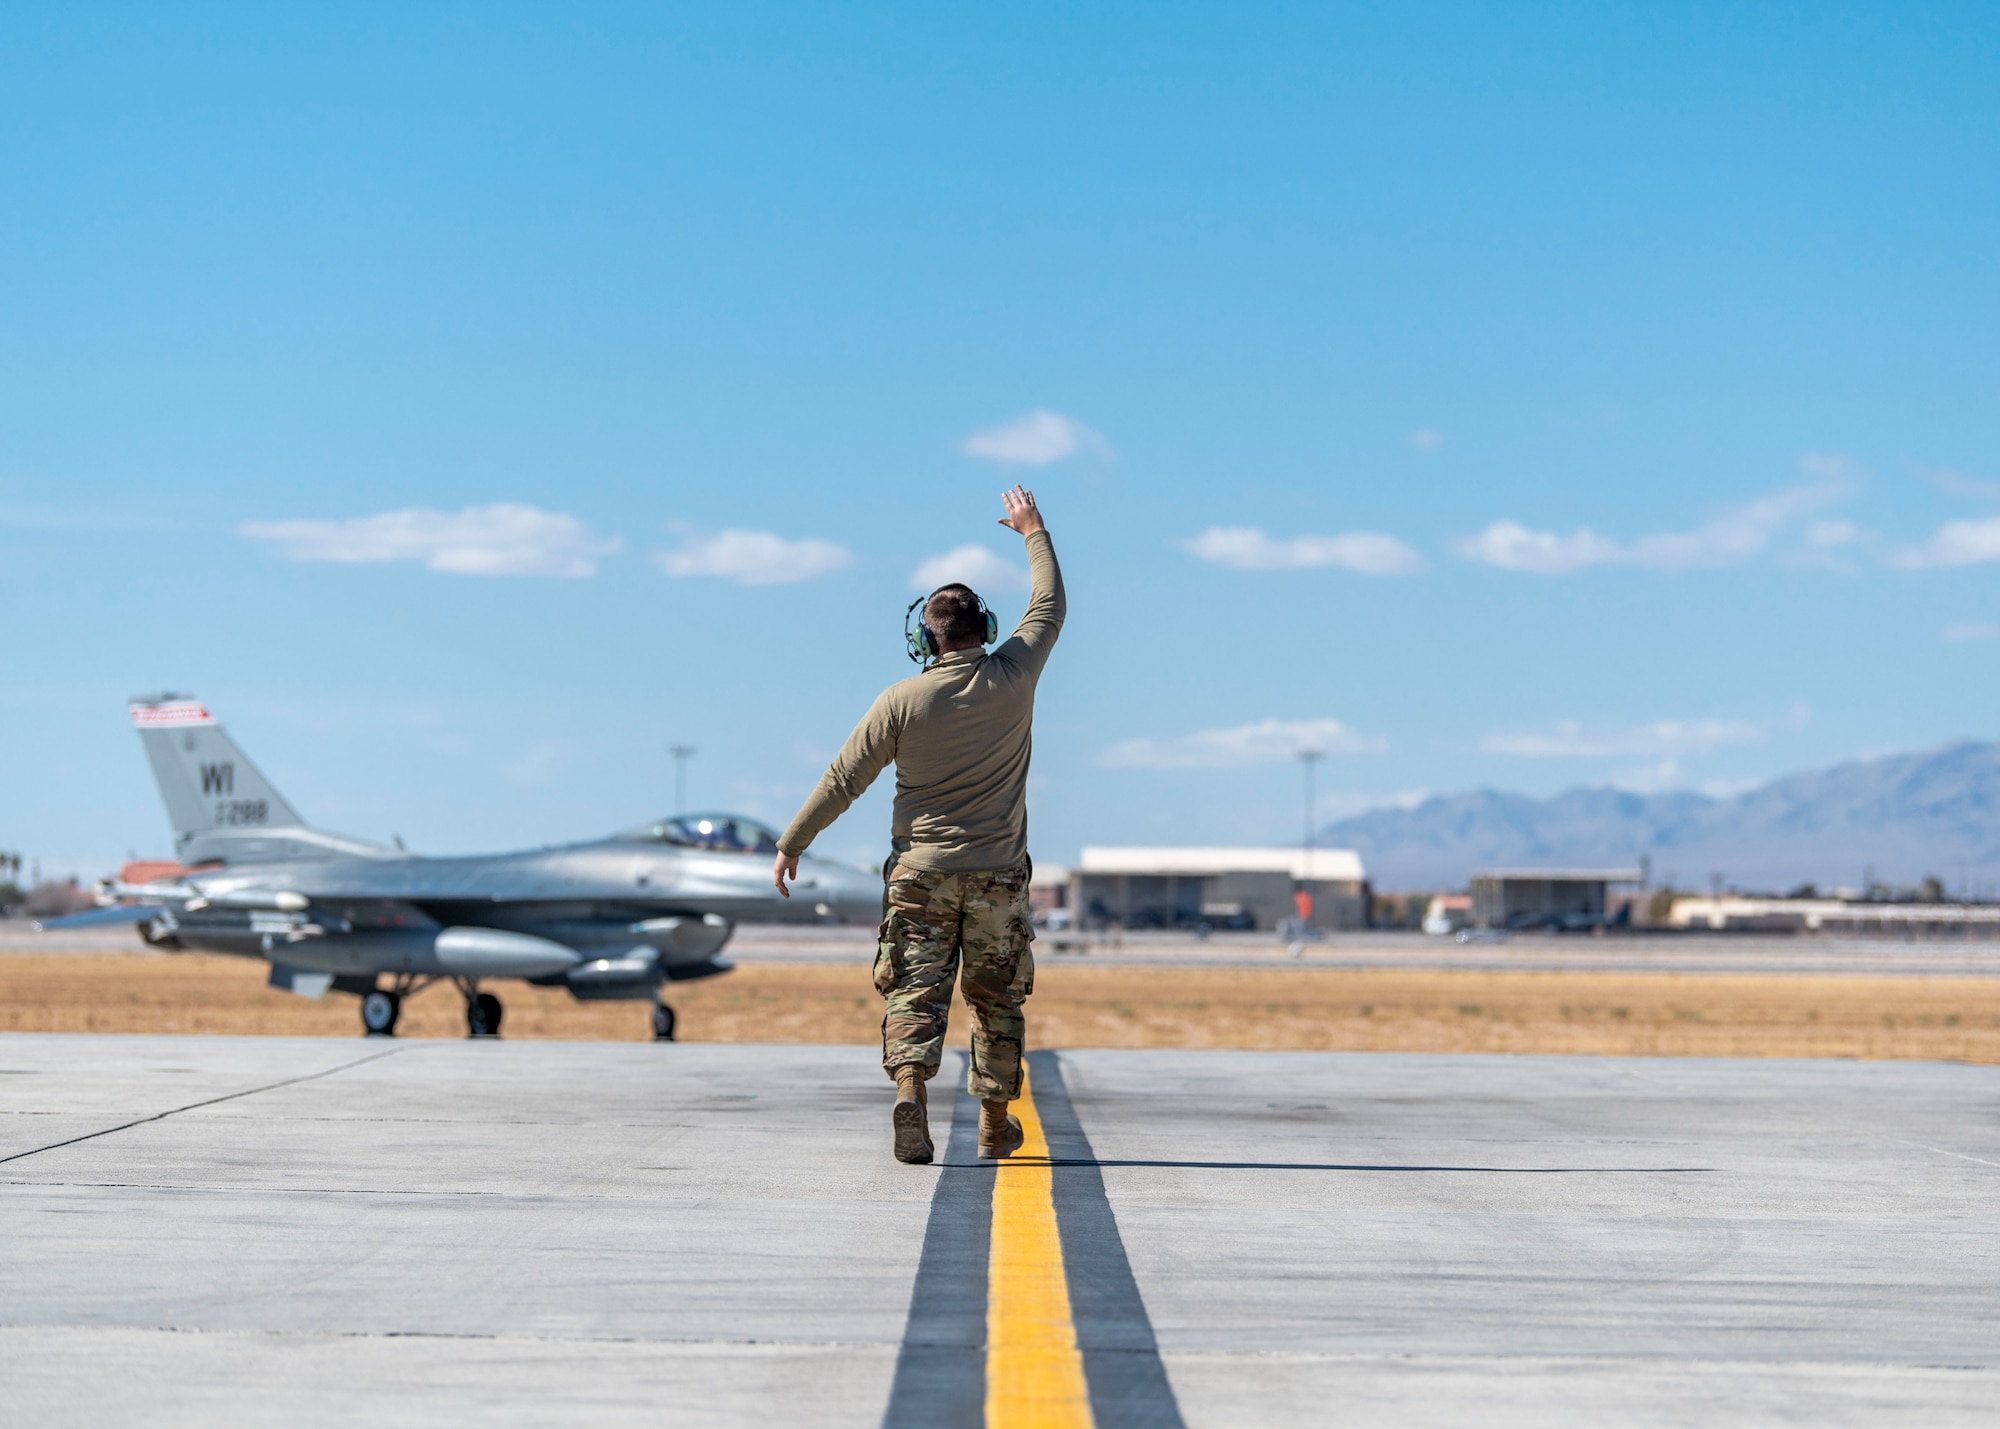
x: 1555, y: 897
x: 1189, y: 887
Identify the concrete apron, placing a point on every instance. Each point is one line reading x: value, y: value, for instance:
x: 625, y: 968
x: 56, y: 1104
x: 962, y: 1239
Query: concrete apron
x: 314, y: 1231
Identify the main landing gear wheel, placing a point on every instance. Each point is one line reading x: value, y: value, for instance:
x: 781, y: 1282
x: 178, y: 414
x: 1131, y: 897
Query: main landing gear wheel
x: 663, y: 1022
x: 378, y: 1013
x: 482, y: 1015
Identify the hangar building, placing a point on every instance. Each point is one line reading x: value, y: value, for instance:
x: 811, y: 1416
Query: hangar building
x: 1222, y: 887
x: 1545, y: 897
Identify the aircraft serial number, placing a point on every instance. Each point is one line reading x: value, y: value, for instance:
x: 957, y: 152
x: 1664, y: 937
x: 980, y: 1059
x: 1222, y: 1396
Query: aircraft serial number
x: 242, y: 811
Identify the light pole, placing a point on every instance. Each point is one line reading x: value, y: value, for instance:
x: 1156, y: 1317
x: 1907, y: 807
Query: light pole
x: 1308, y: 759
x: 682, y: 753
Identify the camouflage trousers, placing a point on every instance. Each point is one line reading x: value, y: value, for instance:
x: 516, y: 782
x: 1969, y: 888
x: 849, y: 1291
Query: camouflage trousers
x: 974, y: 925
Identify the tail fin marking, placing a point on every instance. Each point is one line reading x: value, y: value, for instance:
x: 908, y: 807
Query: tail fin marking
x: 208, y: 783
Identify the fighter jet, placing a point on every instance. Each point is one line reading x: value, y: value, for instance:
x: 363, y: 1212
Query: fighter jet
x: 610, y: 920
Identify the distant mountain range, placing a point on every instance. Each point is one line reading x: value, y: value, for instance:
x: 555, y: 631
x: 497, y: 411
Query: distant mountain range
x: 1899, y: 817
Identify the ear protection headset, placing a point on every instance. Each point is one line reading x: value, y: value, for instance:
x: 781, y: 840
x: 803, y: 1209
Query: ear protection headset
x: 923, y: 644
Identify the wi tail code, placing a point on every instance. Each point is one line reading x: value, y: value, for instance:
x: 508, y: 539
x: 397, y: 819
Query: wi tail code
x: 218, y: 778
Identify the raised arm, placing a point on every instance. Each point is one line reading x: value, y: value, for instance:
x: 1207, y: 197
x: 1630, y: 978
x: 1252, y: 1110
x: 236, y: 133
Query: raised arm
x: 1047, y: 605
x: 868, y: 749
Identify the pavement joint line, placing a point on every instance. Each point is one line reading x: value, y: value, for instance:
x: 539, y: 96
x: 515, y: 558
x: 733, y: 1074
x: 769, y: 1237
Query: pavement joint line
x: 375, y: 1120
x: 197, y: 1106
x: 296, y: 1190
x: 1976, y: 1160
x: 665, y: 1196
x: 1441, y: 1170
x: 1192, y: 1353
x: 451, y: 1335
x: 1693, y: 1364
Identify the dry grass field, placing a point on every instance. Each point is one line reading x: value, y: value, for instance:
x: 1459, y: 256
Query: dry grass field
x: 1618, y: 1014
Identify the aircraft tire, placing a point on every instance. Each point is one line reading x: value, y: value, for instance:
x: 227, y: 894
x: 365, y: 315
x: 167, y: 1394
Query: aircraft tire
x: 379, y: 1011
x: 482, y: 1016
x: 663, y: 1022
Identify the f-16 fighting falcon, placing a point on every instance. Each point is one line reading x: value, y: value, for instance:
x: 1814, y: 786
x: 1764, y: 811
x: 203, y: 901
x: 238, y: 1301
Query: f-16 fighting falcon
x: 610, y: 920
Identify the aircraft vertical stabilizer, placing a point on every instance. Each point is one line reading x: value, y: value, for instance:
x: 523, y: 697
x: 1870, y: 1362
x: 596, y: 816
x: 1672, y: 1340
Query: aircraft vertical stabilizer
x: 209, y: 785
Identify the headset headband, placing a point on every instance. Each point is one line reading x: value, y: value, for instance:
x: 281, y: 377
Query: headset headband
x: 922, y: 644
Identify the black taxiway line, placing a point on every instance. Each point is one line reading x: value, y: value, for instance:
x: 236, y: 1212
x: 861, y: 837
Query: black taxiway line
x: 1121, y: 1359
x: 941, y: 1367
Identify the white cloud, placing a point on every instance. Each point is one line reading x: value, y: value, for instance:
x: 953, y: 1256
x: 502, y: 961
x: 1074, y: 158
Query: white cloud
x: 1265, y: 742
x: 1249, y: 549
x: 1427, y: 439
x: 499, y: 540
x: 1648, y: 778
x: 1513, y: 547
x: 1956, y: 543
x: 1661, y: 739
x: 753, y: 558
x: 1339, y: 804
x: 1734, y: 536
x: 975, y: 566
x: 1969, y: 630
x: 1828, y: 534
x: 1035, y: 439
x: 1658, y: 776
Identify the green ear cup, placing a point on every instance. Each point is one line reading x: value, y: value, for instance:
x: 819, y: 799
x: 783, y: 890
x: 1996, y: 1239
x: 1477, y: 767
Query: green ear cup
x: 917, y: 635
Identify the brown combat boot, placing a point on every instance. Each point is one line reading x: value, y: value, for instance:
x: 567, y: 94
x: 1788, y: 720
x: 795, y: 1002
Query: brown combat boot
x: 912, y: 1116
x: 1000, y: 1134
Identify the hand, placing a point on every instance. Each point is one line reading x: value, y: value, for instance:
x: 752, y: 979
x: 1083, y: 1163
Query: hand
x: 1022, y: 514
x: 786, y: 867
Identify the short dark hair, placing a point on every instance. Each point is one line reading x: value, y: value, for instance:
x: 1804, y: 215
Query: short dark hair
x: 953, y: 613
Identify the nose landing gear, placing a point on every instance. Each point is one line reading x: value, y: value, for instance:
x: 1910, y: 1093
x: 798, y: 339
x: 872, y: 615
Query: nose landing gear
x: 663, y: 1022
x: 379, y: 1011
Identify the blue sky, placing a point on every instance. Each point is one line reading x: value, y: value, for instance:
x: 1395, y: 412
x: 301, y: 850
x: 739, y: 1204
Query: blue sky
x: 471, y: 402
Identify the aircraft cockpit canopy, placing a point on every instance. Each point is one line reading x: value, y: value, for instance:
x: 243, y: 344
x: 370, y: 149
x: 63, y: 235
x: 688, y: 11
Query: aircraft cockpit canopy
x: 730, y: 833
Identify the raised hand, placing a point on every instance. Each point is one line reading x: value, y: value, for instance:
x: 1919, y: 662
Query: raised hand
x: 1022, y: 514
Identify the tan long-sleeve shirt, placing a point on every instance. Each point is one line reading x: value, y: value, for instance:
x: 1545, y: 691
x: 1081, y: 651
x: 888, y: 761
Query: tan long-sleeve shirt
x: 959, y: 736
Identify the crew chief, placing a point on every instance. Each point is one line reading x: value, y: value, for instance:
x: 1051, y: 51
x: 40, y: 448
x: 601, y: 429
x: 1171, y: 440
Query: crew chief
x: 957, y: 879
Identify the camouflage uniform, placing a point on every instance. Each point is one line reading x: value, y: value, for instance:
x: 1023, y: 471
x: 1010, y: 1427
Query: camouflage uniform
x: 929, y: 920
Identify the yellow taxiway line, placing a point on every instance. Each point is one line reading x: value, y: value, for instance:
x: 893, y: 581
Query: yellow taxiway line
x: 1034, y: 1371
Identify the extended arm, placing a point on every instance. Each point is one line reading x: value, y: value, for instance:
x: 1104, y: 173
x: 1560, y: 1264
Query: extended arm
x: 868, y: 749
x: 1047, y: 604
